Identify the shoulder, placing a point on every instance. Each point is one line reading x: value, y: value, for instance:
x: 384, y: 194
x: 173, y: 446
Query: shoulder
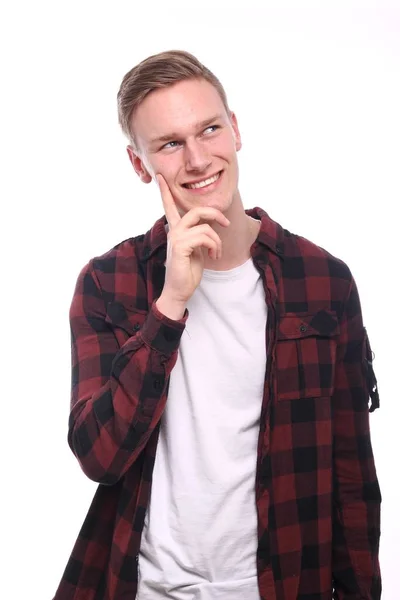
x: 317, y: 258
x: 120, y: 257
x: 312, y: 272
x: 300, y: 256
x: 118, y: 273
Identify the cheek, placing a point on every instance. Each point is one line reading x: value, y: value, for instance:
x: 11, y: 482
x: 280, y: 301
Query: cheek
x: 224, y: 146
x: 168, y: 167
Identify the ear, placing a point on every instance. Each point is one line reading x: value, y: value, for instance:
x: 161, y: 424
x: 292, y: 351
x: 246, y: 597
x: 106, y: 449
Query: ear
x: 138, y: 165
x: 235, y: 127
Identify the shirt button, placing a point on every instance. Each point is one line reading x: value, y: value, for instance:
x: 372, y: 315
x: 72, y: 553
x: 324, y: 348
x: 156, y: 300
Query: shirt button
x: 157, y: 384
x: 303, y: 328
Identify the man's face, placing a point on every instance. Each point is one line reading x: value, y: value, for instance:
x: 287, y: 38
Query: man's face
x: 184, y: 133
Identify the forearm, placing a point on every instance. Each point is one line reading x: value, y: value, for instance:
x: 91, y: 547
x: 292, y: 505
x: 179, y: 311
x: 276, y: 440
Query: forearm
x: 109, y: 429
x: 120, y: 396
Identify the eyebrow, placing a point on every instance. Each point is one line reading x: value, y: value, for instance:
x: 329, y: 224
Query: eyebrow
x: 171, y: 136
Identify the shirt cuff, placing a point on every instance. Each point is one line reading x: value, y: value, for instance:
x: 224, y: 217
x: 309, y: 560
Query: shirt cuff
x: 162, y: 333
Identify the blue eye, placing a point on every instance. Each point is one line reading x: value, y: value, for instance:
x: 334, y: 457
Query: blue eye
x: 166, y: 145
x: 212, y: 127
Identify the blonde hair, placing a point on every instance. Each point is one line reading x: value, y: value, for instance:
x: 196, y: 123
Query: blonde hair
x: 159, y: 71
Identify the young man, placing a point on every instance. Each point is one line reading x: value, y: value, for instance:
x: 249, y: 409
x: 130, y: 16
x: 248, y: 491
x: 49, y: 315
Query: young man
x: 221, y: 377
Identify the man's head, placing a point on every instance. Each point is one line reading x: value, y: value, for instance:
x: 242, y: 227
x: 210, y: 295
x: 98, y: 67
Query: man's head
x: 175, y: 114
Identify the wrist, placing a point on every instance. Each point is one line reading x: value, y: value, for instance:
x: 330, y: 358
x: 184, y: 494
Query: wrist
x: 170, y: 307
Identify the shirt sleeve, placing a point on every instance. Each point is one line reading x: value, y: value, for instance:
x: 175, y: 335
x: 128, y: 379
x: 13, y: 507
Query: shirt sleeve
x: 118, y: 393
x: 357, y: 497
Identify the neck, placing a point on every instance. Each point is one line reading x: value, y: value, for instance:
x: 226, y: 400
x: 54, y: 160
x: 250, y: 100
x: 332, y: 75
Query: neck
x: 236, y: 239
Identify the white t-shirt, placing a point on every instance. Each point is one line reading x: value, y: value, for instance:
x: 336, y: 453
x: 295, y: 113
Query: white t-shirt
x: 199, y: 539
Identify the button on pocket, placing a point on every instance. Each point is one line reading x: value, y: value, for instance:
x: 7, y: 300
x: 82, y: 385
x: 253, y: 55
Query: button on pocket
x: 306, y: 354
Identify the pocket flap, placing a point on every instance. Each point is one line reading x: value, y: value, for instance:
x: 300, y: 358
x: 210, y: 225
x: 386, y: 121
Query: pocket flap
x: 323, y: 323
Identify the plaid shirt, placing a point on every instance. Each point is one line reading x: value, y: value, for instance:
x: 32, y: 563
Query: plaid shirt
x: 317, y: 494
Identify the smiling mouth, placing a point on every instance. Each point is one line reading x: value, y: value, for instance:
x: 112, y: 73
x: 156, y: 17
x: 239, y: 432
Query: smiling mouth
x: 204, y: 183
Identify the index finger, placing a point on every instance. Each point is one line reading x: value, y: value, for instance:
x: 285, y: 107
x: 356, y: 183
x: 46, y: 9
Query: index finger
x: 170, y: 209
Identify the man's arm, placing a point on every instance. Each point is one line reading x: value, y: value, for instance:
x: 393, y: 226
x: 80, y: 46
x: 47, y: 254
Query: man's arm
x: 118, y: 393
x: 357, y: 497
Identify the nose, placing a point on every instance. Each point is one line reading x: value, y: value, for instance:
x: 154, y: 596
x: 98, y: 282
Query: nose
x: 196, y: 156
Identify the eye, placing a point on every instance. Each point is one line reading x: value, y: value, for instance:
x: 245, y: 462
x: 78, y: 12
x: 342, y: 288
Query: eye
x: 168, y: 145
x: 214, y: 127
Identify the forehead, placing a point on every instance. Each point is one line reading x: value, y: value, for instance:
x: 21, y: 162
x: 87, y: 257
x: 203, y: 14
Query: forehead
x: 176, y: 108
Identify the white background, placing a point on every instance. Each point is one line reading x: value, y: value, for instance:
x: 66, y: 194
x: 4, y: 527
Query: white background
x: 316, y: 89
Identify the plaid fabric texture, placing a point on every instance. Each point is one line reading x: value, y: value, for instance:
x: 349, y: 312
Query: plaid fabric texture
x: 316, y: 489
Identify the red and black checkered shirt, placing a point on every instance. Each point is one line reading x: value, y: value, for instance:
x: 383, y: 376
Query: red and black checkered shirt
x: 317, y: 495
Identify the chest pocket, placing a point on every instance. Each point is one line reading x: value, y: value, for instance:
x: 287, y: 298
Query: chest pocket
x: 306, y: 354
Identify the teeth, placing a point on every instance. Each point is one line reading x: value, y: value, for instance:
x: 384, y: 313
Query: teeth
x: 201, y: 184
